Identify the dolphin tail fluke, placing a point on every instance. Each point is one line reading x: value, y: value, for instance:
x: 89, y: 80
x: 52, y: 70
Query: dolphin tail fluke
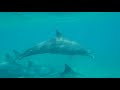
x: 17, y: 55
x: 8, y: 57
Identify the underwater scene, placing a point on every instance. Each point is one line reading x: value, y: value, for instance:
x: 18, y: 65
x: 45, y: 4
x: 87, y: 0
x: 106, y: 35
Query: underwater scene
x: 59, y: 44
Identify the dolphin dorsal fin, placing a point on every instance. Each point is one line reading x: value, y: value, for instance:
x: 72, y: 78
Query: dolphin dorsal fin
x: 67, y: 69
x: 58, y: 35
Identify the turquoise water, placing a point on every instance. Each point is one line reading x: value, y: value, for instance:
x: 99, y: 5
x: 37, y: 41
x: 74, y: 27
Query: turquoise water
x: 97, y: 31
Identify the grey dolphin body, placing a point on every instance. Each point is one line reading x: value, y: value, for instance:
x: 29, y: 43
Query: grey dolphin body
x: 57, y: 45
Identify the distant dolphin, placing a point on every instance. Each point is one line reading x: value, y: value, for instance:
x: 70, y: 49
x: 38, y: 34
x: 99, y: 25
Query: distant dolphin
x: 69, y: 72
x: 57, y: 45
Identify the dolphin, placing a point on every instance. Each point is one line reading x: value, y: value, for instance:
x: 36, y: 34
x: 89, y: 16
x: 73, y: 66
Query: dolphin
x: 57, y: 45
x: 69, y: 72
